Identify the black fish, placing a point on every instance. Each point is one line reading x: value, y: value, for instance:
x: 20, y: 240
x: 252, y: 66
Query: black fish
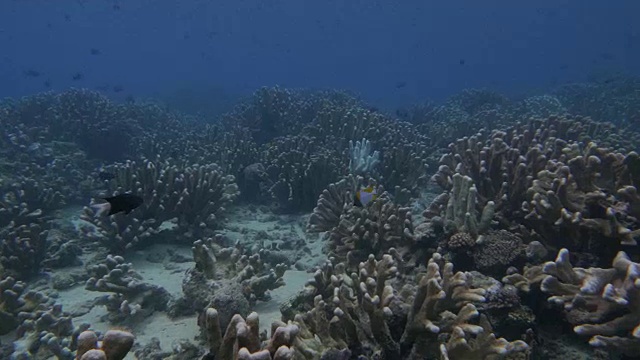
x: 462, y: 61
x: 401, y: 84
x: 120, y: 203
x: 95, y: 51
x: 117, y: 88
x: 77, y: 76
x: 105, y: 175
x: 47, y: 83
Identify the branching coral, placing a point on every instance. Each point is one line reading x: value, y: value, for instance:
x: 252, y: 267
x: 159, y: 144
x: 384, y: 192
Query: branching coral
x: 298, y: 169
x: 229, y: 276
x: 334, y: 201
x: 373, y: 229
x: 195, y: 196
x: 461, y: 212
x: 362, y: 160
x: 22, y: 250
x: 130, y: 297
x: 601, y: 303
x: 380, y: 313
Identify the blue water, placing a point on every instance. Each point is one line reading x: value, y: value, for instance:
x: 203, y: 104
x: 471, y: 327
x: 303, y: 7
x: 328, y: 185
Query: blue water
x: 223, y: 49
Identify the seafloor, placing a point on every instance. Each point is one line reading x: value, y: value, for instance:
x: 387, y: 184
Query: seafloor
x: 311, y: 225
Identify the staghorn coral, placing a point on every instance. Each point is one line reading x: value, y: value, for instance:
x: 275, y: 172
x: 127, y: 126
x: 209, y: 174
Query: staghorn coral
x: 361, y: 160
x: 195, y: 196
x: 600, y: 303
x: 404, y: 151
x: 15, y: 299
x: 298, y: 168
x: 242, y: 341
x: 380, y: 313
x: 479, y: 344
x: 460, y: 214
x: 273, y: 112
x: 577, y: 195
x: 22, y: 250
x: 28, y: 201
x: 548, y: 181
x: 229, y: 278
x: 335, y: 201
x: 130, y: 298
x: 45, y: 333
x: 373, y: 229
x: 608, y: 99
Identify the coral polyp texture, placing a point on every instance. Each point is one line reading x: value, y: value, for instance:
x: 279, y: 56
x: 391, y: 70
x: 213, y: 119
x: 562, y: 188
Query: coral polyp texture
x: 419, y: 233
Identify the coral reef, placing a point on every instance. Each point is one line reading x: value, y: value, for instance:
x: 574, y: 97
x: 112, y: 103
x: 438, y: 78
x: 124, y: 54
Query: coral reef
x: 129, y: 297
x: 22, y: 250
x: 194, y: 197
x: 599, y: 303
x: 519, y: 180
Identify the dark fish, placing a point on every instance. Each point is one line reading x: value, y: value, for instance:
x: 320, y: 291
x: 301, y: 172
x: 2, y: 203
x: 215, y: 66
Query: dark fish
x: 118, y: 88
x: 462, y: 61
x: 129, y: 99
x: 95, y: 51
x: 77, y: 76
x: 401, y: 84
x: 120, y: 203
x: 105, y: 175
x: 116, y: 7
x: 32, y: 73
x: 67, y: 17
x: 47, y: 83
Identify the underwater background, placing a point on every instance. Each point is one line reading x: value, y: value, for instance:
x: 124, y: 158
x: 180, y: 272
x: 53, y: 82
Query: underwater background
x: 319, y: 180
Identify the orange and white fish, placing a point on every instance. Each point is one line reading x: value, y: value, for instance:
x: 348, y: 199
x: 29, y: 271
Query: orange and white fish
x: 365, y: 196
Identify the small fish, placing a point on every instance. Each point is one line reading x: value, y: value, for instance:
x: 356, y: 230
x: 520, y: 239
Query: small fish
x: 401, y: 84
x: 126, y: 203
x: 106, y: 176
x: 365, y: 196
x: 77, y: 76
x: 462, y: 61
x: 95, y: 51
x: 118, y: 88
